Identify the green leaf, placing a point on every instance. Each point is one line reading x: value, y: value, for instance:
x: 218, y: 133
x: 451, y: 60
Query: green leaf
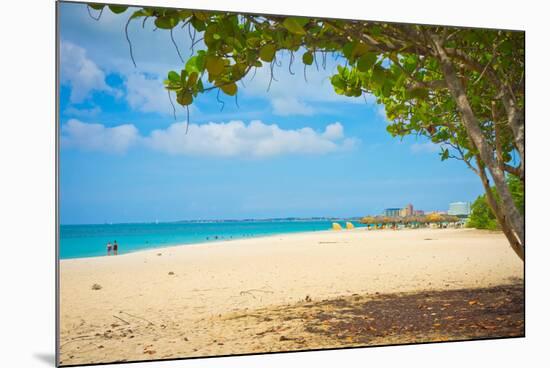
x: 338, y: 82
x: 171, y: 86
x: 192, y: 79
x: 378, y: 76
x: 166, y: 22
x: 97, y: 6
x: 348, y: 49
x: 229, y: 89
x: 307, y: 58
x: 198, y: 24
x: 267, y: 52
x: 419, y: 93
x: 211, y: 35
x: 139, y: 13
x: 201, y: 15
x: 184, y: 98
x: 200, y: 86
x: 366, y: 61
x: 117, y: 9
x: 196, y: 63
x: 183, y: 75
x: 444, y: 154
x: 214, y: 64
x: 238, y: 70
x: 173, y: 76
x: 295, y: 25
x: 352, y: 50
x: 253, y: 41
x: 184, y: 14
x: 359, y: 49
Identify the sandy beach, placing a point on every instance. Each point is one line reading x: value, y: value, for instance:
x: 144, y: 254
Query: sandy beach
x: 234, y: 297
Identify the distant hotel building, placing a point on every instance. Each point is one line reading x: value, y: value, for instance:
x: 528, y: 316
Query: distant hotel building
x: 399, y: 212
x: 459, y: 209
x: 407, y: 211
x: 392, y: 212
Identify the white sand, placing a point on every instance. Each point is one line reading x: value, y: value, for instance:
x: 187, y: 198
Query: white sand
x: 219, y: 278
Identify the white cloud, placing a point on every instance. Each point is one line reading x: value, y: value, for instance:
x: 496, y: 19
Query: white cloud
x: 428, y: 147
x: 144, y: 92
x: 255, y: 139
x: 285, y: 106
x: 81, y: 73
x: 334, y: 131
x: 231, y: 139
x: 147, y: 94
x: 97, y: 137
x: 73, y: 111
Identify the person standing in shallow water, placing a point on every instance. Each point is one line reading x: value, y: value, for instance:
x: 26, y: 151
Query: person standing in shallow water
x: 109, y: 247
x: 115, y: 248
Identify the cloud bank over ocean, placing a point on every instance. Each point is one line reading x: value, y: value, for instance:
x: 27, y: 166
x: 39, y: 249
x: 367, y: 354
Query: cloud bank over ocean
x: 232, y: 139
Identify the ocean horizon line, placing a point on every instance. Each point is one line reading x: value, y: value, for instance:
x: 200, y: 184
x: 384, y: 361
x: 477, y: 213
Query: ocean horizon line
x: 227, y: 220
x: 80, y: 241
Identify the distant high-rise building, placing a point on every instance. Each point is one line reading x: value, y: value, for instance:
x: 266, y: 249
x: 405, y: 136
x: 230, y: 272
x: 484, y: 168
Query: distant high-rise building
x: 459, y: 209
x: 392, y: 212
x: 408, y: 210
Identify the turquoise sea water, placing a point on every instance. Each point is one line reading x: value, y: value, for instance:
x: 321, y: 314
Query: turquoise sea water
x: 77, y: 241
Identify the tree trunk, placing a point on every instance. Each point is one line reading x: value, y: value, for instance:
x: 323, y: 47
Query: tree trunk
x: 510, y: 235
x: 512, y: 217
x: 516, y: 121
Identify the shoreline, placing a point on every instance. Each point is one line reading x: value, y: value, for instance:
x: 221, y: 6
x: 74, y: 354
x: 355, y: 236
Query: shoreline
x: 262, y: 237
x: 172, y: 300
x: 223, y: 241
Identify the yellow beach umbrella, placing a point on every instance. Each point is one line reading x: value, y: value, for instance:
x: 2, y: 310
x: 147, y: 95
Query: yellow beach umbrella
x: 349, y: 225
x: 336, y: 226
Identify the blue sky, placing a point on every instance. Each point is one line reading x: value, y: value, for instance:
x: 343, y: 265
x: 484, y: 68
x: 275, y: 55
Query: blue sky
x: 297, y: 150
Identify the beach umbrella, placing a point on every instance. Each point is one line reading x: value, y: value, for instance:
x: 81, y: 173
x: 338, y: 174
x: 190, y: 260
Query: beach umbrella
x: 408, y: 221
x: 394, y: 220
x: 378, y: 221
x: 434, y: 218
x: 385, y: 220
x: 450, y: 219
x: 368, y: 220
x: 417, y: 220
x: 453, y: 218
x: 421, y: 220
x: 336, y: 226
x: 349, y: 225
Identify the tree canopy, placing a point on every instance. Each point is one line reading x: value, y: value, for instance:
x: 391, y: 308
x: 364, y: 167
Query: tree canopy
x: 463, y: 88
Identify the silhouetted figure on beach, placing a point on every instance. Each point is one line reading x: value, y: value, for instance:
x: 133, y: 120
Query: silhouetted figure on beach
x: 115, y: 248
x: 109, y: 247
